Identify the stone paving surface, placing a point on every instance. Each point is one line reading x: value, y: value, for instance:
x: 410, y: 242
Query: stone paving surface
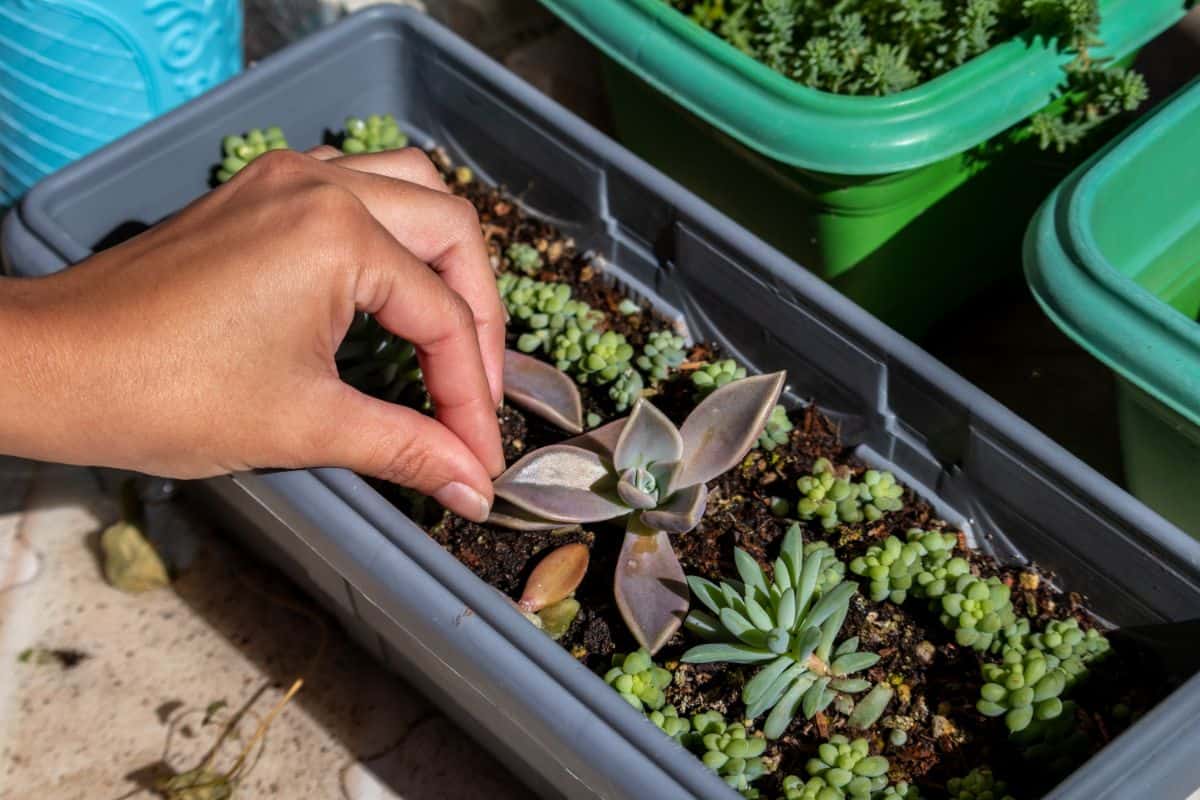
x: 228, y: 631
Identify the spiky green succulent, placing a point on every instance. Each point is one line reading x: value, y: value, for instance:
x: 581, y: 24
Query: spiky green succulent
x: 377, y: 362
x: 661, y: 355
x: 639, y: 680
x: 790, y: 624
x: 846, y: 770
x: 714, y: 375
x: 894, y: 568
x: 728, y: 749
x: 978, y: 784
x: 376, y: 133
x: 524, y: 258
x: 833, y: 497
x: 669, y: 722
x: 238, y: 151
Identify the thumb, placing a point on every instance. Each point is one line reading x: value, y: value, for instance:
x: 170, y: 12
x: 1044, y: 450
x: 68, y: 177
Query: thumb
x: 397, y: 444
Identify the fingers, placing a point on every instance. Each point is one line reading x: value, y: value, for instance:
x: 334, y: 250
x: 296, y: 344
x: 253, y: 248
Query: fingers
x: 440, y: 229
x: 398, y: 444
x: 410, y: 164
x: 415, y: 304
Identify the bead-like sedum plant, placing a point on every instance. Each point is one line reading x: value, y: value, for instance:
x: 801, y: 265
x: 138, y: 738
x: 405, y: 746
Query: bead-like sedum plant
x: 978, y: 784
x: 649, y: 475
x: 789, y: 624
x: 375, y: 134
x: 639, y: 680
x: 238, y: 151
x: 846, y: 770
x: 524, y: 258
x: 834, y: 498
x: 728, y: 749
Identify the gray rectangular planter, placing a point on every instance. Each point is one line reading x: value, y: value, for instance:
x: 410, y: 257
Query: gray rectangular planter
x: 416, y: 608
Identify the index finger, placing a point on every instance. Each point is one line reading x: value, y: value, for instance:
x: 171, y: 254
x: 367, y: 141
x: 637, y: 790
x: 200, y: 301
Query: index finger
x: 440, y: 229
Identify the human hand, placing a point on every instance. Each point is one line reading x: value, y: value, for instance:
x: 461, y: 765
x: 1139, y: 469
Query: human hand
x: 206, y: 345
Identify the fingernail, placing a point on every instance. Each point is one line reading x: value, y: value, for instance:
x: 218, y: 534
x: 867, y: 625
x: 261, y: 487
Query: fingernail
x: 464, y: 501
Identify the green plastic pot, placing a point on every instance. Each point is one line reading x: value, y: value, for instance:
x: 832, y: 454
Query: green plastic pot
x: 892, y: 199
x: 1114, y: 259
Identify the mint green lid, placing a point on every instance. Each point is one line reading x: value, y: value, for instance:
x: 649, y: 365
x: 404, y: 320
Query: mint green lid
x: 1114, y: 255
x: 821, y: 131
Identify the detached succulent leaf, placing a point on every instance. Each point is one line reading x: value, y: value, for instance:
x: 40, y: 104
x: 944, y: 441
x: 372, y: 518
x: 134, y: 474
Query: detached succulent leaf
x: 555, y: 577
x: 544, y: 390
x: 722, y: 429
x: 650, y: 588
x: 562, y: 483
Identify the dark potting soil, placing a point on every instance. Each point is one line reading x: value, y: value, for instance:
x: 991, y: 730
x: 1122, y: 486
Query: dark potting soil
x: 936, y: 681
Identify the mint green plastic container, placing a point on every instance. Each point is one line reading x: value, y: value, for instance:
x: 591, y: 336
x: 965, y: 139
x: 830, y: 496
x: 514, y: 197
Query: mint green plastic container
x: 1114, y: 259
x: 891, y: 199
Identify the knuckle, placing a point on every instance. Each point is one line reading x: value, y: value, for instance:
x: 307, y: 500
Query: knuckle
x: 328, y: 205
x: 464, y: 214
x: 415, y: 163
x: 277, y: 166
x: 325, y: 151
x: 459, y: 313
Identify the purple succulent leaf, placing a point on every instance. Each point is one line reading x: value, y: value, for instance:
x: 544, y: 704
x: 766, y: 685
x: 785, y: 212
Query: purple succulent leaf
x: 561, y: 483
x: 506, y: 515
x: 602, y: 440
x: 648, y: 437
x: 722, y: 429
x: 631, y: 491
x: 650, y: 588
x: 682, y: 511
x: 544, y: 390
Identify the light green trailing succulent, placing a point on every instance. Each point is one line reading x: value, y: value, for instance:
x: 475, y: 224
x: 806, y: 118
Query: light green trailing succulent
x: 1025, y: 686
x: 639, y: 680
x: 604, y: 357
x: 977, y: 609
x: 790, y: 625
x: 778, y: 429
x: 544, y: 310
x: 1056, y: 746
x: 669, y: 722
x: 238, y: 151
x: 524, y: 258
x: 893, y: 567
x: 626, y: 389
x: 1036, y: 671
x: 846, y: 770
x: 662, y: 354
x: 379, y: 363
x: 835, y: 498
x: 376, y: 133
x: 713, y: 376
x: 728, y: 749
x: 1065, y: 640
x: 978, y: 784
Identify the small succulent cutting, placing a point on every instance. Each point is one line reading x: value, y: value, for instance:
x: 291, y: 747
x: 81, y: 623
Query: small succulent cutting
x: 728, y: 749
x: 644, y: 471
x: 846, y: 770
x: 978, y: 784
x: 790, y: 624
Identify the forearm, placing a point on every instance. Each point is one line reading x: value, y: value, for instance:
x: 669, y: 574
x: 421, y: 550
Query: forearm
x: 36, y: 410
